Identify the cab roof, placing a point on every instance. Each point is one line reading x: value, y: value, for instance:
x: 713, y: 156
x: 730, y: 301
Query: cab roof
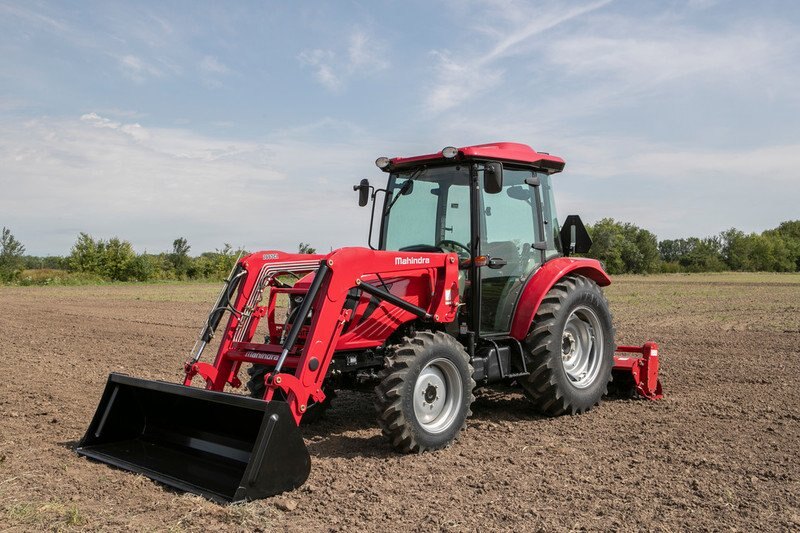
x: 501, y: 151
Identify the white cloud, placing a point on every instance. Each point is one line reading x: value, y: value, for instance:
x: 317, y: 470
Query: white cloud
x: 322, y: 61
x: 459, y: 80
x: 363, y: 56
x: 211, y: 70
x: 643, y: 56
x: 137, y: 69
x: 212, y: 65
x: 364, y: 53
x: 678, y: 191
x: 150, y: 185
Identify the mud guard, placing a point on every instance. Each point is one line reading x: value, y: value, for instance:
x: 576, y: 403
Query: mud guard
x: 543, y: 280
x: 225, y: 447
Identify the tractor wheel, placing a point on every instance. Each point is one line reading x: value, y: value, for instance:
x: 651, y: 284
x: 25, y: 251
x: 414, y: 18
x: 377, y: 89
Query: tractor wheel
x: 257, y: 389
x: 571, y: 347
x: 425, y: 393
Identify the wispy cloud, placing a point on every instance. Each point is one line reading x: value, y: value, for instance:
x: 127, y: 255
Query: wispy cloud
x: 137, y: 69
x: 139, y: 182
x: 365, y: 53
x: 332, y: 68
x: 466, y: 77
x: 631, y: 55
x: 325, y: 70
x: 212, y: 65
x: 141, y: 44
x: 212, y: 70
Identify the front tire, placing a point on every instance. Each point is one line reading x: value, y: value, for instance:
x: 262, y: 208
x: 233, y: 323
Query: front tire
x: 425, y: 393
x: 571, y: 347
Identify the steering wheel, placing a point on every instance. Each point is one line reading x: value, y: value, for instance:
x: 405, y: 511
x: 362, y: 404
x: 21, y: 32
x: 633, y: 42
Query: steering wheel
x: 457, y: 247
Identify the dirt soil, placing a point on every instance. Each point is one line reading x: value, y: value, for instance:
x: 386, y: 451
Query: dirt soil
x: 719, y: 452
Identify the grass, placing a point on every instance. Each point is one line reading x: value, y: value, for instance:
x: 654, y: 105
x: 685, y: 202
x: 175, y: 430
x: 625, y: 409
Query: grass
x: 48, y: 276
x: 715, y: 277
x: 53, y: 515
x: 730, y: 300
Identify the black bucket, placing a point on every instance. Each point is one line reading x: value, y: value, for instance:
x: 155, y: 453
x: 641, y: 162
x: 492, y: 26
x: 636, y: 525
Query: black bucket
x: 226, y: 447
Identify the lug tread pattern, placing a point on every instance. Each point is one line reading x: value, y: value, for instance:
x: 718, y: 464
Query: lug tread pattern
x: 394, y: 382
x: 544, y: 347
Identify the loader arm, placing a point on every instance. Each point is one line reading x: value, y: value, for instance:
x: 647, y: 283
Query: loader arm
x: 300, y: 363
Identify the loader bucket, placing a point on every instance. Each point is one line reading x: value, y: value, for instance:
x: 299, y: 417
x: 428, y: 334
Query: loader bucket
x: 226, y: 447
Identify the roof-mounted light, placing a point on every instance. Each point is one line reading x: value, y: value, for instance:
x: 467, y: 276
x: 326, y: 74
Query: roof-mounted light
x: 449, y: 152
x: 382, y: 162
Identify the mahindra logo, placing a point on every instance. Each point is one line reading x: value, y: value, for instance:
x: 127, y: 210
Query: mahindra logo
x: 263, y: 356
x: 269, y: 256
x: 412, y: 260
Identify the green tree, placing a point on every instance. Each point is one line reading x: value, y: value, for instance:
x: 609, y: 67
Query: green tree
x: 702, y: 255
x: 789, y: 231
x: 624, y: 247
x: 215, y: 265
x: 86, y: 255
x: 670, y: 250
x: 118, y: 260
x: 305, y: 248
x: 50, y: 262
x: 737, y: 249
x: 11, y: 251
x: 180, y: 256
x: 143, y: 268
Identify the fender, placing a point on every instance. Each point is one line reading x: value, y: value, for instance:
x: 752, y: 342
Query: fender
x: 543, y: 280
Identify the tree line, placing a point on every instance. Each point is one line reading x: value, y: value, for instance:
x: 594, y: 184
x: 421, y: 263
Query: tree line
x: 623, y: 248
x: 95, y: 261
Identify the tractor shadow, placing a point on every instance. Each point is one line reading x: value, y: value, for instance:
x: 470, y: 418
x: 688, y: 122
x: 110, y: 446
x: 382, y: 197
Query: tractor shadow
x: 502, y: 404
x: 349, y: 428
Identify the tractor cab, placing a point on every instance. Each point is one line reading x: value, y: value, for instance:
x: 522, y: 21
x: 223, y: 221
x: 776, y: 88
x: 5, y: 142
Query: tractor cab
x: 491, y: 204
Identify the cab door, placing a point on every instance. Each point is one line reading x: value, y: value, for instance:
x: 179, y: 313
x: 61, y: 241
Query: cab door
x: 510, y: 225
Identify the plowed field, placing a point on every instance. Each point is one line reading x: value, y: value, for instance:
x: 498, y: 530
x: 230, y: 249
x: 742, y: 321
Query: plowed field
x: 721, y: 451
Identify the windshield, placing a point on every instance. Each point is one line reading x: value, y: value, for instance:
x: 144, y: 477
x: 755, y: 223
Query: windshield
x: 435, y: 208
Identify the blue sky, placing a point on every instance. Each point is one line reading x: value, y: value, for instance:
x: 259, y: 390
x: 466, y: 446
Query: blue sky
x: 248, y: 122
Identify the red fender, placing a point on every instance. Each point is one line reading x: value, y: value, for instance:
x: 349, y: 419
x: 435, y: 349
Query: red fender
x: 543, y: 280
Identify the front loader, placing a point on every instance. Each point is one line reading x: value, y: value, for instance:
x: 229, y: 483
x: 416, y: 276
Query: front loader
x: 472, y: 283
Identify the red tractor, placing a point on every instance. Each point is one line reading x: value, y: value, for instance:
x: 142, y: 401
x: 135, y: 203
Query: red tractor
x: 471, y: 284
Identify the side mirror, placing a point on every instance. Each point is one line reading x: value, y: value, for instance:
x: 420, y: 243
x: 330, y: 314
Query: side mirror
x: 363, y: 192
x: 574, y: 237
x: 493, y: 177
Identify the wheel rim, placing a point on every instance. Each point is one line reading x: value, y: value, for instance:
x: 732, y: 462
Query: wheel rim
x: 582, y: 347
x: 437, y: 395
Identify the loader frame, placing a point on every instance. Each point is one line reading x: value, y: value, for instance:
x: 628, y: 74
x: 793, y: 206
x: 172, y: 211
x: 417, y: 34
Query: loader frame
x: 300, y: 369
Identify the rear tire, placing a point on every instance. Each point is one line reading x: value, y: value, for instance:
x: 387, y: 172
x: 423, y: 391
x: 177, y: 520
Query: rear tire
x: 257, y: 388
x: 571, y: 347
x: 425, y: 393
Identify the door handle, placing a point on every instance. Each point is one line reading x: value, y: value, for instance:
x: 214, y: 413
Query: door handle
x: 496, y: 262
